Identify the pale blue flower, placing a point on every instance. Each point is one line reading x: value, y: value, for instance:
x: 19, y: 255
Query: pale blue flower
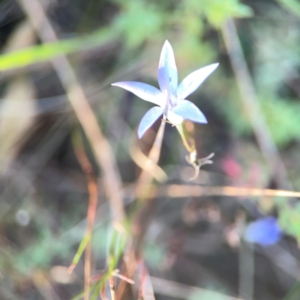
x: 171, y: 96
x: 264, y: 231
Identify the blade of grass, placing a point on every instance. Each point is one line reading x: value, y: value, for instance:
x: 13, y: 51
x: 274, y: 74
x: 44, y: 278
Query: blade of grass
x: 79, y: 252
x: 93, y: 199
x: 94, y: 288
x: 48, y: 51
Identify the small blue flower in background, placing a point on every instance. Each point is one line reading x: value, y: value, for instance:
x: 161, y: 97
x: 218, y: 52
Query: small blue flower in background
x: 171, y: 96
x: 265, y: 231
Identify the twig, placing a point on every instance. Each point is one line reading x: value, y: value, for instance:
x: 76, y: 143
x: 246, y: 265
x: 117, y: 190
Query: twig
x: 153, y: 156
x: 143, y: 191
x: 246, y: 271
x: 82, y: 109
x: 93, y: 199
x: 249, y: 99
x: 145, y: 163
x: 179, y: 191
x: 146, y: 288
x: 184, y: 190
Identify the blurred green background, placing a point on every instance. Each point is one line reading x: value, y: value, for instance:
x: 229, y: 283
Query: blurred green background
x: 196, y: 240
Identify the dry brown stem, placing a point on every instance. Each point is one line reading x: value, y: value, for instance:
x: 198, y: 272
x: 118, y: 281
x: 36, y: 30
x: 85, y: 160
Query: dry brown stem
x: 82, y: 109
x: 93, y: 199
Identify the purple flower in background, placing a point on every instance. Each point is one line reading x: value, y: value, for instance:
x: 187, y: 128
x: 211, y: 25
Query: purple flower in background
x: 265, y: 231
x: 171, y: 96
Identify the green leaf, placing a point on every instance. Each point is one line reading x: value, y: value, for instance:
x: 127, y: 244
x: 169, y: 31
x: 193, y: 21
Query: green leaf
x: 282, y: 116
x: 218, y: 11
x: 41, y: 253
x: 289, y: 219
x: 44, y: 52
x: 137, y: 22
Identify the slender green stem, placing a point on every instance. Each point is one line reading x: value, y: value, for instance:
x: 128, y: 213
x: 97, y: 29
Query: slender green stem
x: 182, y: 133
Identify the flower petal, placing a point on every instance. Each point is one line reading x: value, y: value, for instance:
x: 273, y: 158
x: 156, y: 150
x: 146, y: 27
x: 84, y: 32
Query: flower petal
x: 144, y: 91
x: 265, y: 231
x: 190, y: 83
x: 167, y: 71
x: 190, y: 111
x: 174, y: 119
x: 148, y: 119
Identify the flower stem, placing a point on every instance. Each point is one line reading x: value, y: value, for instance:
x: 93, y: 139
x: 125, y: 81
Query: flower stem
x: 183, y: 134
